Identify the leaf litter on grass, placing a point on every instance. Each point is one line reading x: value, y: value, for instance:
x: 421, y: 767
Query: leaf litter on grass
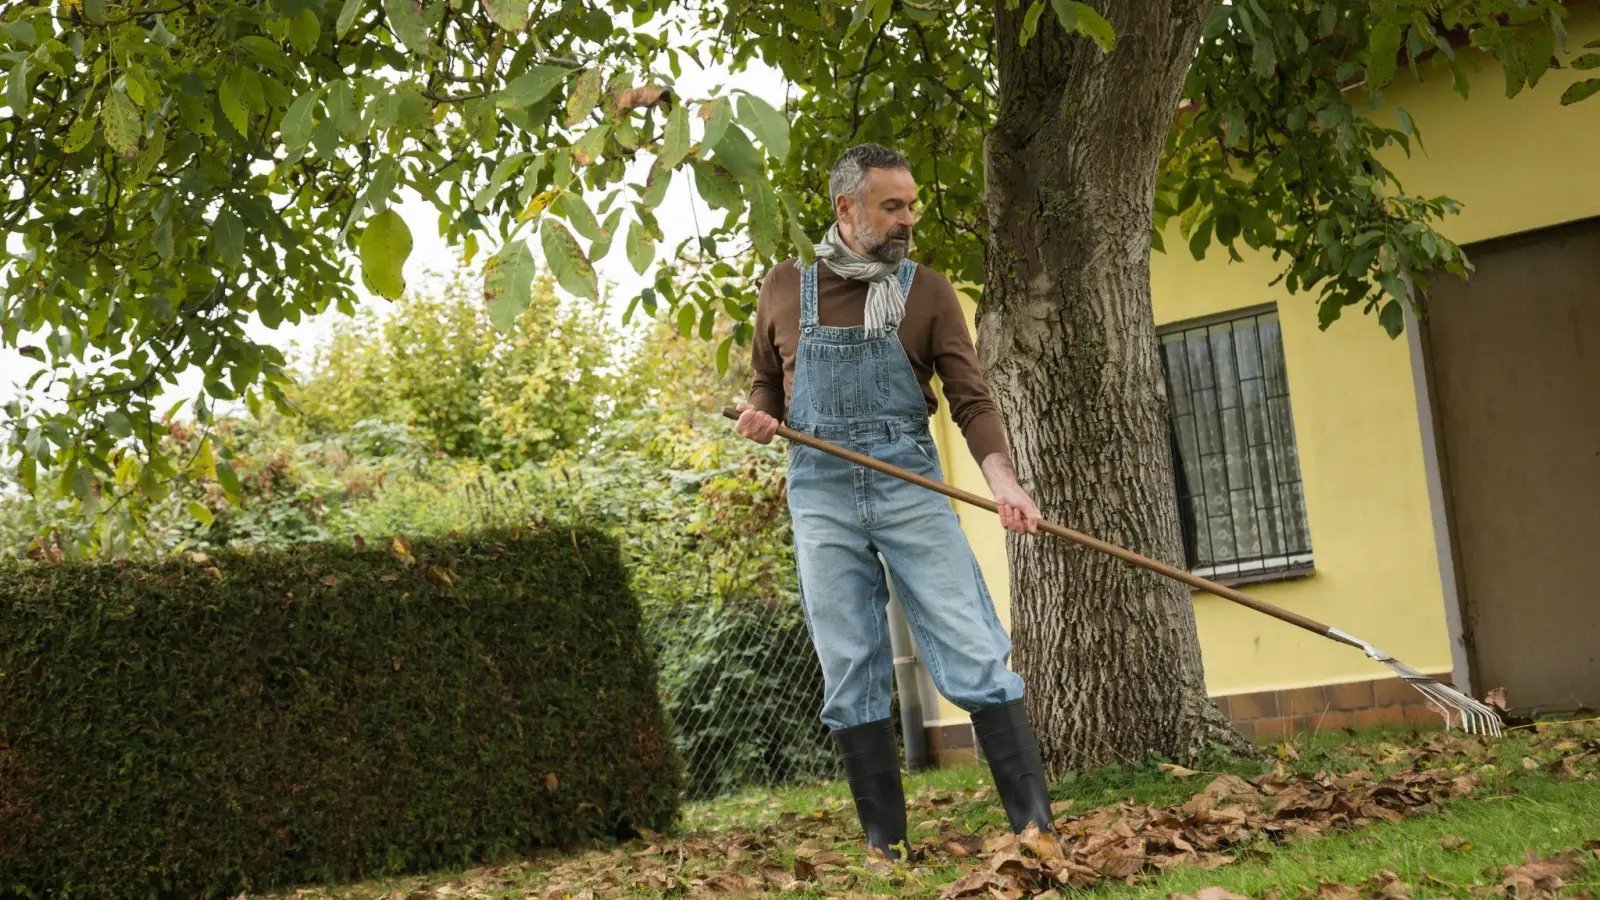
x: 1232, y: 817
x: 1538, y: 878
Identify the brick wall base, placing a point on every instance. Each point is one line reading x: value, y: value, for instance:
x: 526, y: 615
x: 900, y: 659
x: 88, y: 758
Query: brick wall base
x: 1271, y: 715
x: 1267, y: 715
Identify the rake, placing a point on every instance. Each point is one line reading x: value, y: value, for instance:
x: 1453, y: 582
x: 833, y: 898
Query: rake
x: 1459, y: 710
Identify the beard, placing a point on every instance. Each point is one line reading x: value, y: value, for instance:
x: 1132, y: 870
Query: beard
x: 884, y: 246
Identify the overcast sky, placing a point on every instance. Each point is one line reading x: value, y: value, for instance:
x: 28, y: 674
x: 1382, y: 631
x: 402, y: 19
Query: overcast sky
x: 677, y: 216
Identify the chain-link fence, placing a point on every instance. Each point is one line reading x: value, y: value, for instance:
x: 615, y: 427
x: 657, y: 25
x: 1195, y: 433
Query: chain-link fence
x: 742, y: 689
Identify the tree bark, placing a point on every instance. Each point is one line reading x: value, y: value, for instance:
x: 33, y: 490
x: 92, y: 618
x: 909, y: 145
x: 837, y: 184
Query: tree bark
x: 1067, y: 338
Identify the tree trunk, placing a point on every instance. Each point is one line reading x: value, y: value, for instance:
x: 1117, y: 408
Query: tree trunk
x: 1109, y: 651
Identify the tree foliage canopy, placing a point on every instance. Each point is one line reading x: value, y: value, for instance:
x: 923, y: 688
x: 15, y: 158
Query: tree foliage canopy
x: 178, y: 172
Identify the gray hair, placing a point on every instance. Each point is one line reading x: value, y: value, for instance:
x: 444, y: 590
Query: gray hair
x: 849, y: 175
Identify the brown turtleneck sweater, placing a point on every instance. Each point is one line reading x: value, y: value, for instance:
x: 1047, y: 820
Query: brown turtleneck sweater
x: 933, y: 332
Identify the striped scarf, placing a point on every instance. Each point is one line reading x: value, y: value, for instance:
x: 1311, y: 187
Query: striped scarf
x: 886, y: 306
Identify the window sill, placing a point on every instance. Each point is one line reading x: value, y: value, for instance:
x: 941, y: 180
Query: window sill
x: 1296, y: 572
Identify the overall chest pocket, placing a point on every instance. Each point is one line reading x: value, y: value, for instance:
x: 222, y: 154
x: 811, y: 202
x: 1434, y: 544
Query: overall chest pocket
x: 847, y: 381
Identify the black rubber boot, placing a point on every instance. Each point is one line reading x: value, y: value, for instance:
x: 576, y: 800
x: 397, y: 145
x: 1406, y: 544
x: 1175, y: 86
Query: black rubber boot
x: 873, y: 767
x: 1008, y: 743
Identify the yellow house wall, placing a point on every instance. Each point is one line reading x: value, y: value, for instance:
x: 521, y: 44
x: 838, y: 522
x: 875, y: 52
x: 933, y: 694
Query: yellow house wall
x: 1515, y: 165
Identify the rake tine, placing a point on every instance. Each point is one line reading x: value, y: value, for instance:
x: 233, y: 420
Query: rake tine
x: 1473, y: 717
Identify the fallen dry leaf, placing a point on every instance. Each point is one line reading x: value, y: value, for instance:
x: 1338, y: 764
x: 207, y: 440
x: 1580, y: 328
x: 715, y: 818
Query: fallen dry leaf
x: 977, y: 884
x: 1453, y: 843
x: 1177, y: 771
x: 1541, y: 878
x: 1386, y: 885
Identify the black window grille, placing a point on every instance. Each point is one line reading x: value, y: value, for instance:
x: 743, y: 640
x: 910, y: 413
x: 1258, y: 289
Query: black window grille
x: 1233, y: 445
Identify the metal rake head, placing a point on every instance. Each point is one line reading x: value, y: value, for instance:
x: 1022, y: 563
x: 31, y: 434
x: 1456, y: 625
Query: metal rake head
x: 1459, y: 710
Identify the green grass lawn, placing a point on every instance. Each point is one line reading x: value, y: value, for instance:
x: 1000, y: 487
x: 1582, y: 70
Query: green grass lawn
x: 1528, y: 801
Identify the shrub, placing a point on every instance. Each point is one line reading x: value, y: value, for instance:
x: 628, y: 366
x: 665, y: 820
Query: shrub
x: 245, y: 721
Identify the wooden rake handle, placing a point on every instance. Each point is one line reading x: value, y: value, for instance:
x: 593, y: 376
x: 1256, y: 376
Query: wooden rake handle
x: 1076, y: 537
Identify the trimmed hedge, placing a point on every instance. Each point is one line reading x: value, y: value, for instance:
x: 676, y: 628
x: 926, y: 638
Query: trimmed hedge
x: 250, y: 721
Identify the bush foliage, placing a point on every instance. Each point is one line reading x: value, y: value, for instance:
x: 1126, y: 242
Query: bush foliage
x: 207, y: 724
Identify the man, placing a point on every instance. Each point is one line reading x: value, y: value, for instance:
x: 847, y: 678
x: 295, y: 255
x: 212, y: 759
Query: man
x: 844, y: 350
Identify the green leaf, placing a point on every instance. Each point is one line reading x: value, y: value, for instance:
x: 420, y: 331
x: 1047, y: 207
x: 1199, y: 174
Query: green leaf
x: 384, y: 247
x: 686, y: 319
x: 1200, y: 240
x: 1091, y: 25
x: 27, y: 474
x: 1541, y: 51
x: 797, y: 233
x: 1030, y: 22
x: 641, y: 247
x: 718, y: 117
x: 121, y: 120
x: 18, y: 87
x: 724, y: 350
x: 1583, y: 90
x: 1393, y: 318
x: 295, y: 128
x: 229, y: 480
x: 405, y: 17
x: 1327, y: 20
x: 79, y: 134
x: 304, y: 31
x: 160, y: 36
x: 1227, y: 226
x: 1383, y: 49
x: 347, y: 17
x: 655, y: 188
x: 95, y: 11
x: 591, y: 145
x: 530, y: 87
x: 21, y: 32
x: 717, y: 186
x: 585, y: 95
x: 512, y: 15
x: 31, y: 352
x: 1265, y: 58
x: 228, y: 232
x: 566, y: 259
x: 736, y: 154
x: 737, y: 312
x: 572, y: 207
x: 266, y: 52
x: 153, y: 485
x: 199, y: 511
x: 508, y: 284
x: 768, y: 125
x: 766, y: 218
x: 230, y: 95
x: 862, y: 13
x: 674, y: 139
x: 708, y: 323
x: 1587, y: 61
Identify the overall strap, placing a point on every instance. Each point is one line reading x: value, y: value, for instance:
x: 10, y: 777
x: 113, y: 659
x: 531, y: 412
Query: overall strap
x: 808, y: 296
x: 908, y: 271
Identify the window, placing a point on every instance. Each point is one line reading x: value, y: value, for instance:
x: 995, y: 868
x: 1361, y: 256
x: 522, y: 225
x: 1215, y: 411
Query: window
x: 1234, y: 456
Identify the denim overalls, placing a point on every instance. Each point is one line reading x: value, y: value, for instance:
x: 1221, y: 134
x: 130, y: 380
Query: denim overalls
x: 862, y: 393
